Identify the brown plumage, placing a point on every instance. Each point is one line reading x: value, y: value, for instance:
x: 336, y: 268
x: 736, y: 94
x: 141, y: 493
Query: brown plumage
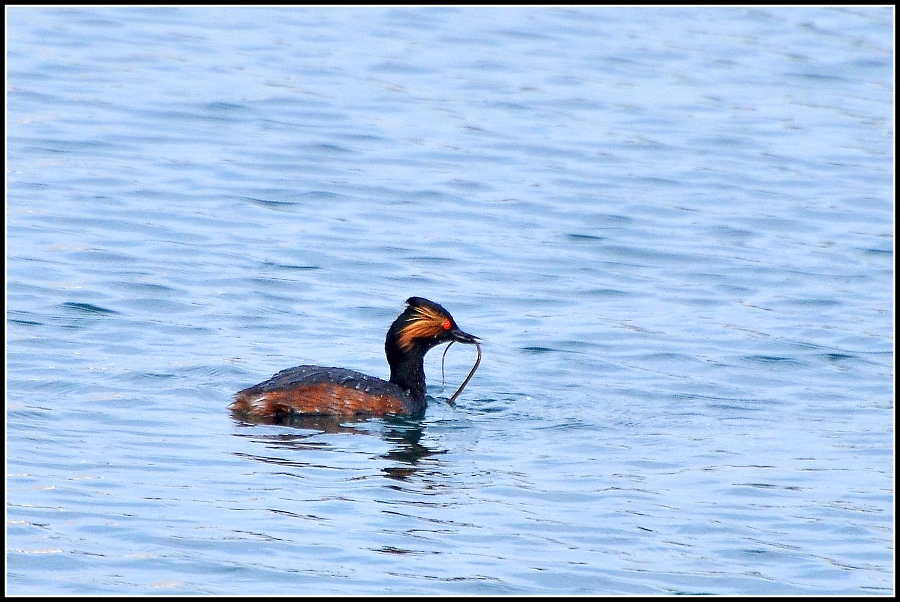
x: 314, y: 390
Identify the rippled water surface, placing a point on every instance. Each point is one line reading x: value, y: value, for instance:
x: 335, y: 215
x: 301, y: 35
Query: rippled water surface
x: 672, y: 228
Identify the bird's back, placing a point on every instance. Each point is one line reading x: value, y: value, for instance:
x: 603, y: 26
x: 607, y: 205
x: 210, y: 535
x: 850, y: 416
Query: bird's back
x: 326, y: 391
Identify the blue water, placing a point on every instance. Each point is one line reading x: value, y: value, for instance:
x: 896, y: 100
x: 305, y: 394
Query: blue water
x: 672, y: 228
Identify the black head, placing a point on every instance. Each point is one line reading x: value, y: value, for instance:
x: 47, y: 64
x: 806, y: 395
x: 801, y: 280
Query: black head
x: 421, y: 326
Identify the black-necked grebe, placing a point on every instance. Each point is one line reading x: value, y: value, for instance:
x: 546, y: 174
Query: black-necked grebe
x: 314, y: 390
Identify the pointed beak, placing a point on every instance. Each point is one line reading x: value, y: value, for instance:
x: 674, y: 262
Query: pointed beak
x: 463, y: 337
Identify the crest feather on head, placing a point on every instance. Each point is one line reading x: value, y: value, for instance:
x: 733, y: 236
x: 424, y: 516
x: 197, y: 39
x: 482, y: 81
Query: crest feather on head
x: 427, y: 320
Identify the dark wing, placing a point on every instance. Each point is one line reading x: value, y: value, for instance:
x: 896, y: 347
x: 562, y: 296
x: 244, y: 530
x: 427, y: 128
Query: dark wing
x: 324, y: 391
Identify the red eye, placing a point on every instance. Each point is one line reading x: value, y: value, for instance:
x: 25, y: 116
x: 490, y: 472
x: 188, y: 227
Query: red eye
x: 446, y: 325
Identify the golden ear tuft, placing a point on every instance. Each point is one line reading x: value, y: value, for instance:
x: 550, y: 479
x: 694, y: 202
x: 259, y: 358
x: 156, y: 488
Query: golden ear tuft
x: 425, y: 323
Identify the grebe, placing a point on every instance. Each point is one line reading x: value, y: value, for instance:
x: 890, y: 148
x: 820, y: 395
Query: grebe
x: 314, y: 390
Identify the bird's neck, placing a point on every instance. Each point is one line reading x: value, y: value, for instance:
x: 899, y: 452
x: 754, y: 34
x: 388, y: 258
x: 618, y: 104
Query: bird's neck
x: 408, y: 372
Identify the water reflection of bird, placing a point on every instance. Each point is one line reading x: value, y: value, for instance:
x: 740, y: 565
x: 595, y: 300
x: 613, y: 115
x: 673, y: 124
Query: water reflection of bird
x: 402, y: 433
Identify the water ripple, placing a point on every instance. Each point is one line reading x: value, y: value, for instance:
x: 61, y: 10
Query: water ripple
x: 672, y: 228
